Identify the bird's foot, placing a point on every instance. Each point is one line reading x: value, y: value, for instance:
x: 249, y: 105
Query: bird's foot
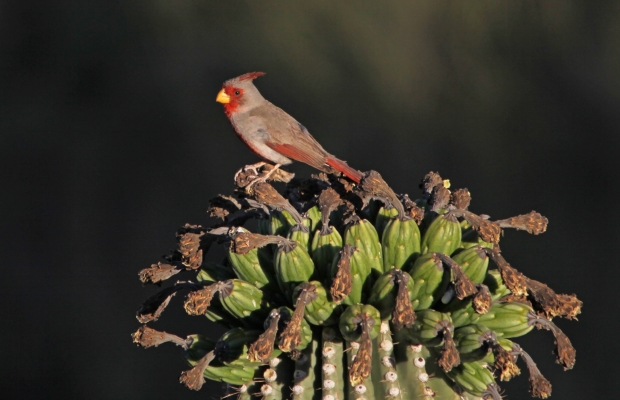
x: 262, y: 178
x: 261, y: 172
x: 252, y: 167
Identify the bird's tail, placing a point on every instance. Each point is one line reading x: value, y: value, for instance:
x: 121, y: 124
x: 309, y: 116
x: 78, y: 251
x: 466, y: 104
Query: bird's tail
x: 341, y: 166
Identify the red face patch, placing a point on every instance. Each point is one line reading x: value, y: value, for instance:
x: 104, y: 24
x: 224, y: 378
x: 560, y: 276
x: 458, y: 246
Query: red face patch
x: 236, y: 94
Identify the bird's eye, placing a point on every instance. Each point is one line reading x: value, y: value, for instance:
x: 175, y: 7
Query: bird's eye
x: 237, y: 93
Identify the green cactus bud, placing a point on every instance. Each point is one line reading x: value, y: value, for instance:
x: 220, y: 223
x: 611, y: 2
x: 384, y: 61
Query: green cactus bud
x: 506, y: 344
x: 314, y: 215
x: 306, y: 331
x: 462, y: 311
x: 508, y: 320
x: 212, y: 272
x: 430, y: 281
x: 217, y: 313
x: 199, y: 345
x: 326, y: 244
x: 280, y: 223
x: 248, y: 267
x: 500, y: 356
x: 363, y: 235
x: 442, y: 236
x: 400, y: 243
x: 386, y: 290
x: 291, y: 337
x: 473, y: 377
x: 342, y: 281
x: 429, y: 216
x: 471, y: 343
x: 301, y: 233
x: 293, y: 266
x: 234, y: 343
x: 428, y: 327
x: 358, y: 276
x: 494, y: 282
x: 383, y: 217
x: 244, y: 301
x: 262, y: 349
x: 474, y: 262
x: 320, y: 310
x: 433, y: 328
x: 236, y: 372
x: 355, y: 315
x: 471, y: 238
x: 439, y: 386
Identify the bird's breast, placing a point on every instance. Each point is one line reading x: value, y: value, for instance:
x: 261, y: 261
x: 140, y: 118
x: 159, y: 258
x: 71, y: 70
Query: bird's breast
x: 256, y: 137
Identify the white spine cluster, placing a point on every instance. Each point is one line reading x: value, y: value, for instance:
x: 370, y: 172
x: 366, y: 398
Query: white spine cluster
x: 359, y: 389
x: 391, y: 376
x: 388, y: 361
x: 329, y: 369
x: 328, y: 352
x: 328, y: 384
x: 270, y: 375
x: 266, y: 390
x: 386, y: 345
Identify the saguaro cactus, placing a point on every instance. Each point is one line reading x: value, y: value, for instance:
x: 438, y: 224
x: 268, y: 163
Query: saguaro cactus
x: 352, y: 292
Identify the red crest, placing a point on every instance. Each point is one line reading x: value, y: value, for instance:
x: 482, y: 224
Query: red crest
x: 250, y: 76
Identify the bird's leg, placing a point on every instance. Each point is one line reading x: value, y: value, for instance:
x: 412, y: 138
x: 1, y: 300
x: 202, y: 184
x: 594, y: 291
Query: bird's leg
x: 264, y: 177
x: 252, y: 167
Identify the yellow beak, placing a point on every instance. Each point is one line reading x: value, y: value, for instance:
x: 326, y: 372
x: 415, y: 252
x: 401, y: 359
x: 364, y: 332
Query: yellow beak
x: 222, y: 97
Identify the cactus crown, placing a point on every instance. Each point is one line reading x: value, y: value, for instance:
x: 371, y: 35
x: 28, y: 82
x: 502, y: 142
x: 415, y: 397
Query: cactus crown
x: 350, y: 291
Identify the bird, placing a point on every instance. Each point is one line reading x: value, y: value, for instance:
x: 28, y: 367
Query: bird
x: 271, y: 133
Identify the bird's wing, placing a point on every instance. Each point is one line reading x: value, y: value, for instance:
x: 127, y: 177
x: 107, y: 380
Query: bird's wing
x: 290, y: 138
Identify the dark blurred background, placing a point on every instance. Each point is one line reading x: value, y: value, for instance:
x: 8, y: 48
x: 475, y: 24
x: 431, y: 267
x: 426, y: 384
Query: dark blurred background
x: 111, y: 140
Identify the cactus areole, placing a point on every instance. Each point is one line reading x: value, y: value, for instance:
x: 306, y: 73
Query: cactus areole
x: 349, y: 291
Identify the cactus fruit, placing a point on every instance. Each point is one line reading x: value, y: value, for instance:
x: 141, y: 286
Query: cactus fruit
x: 352, y: 292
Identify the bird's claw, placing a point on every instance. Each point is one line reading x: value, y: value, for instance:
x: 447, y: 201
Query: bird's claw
x: 252, y: 167
x: 254, y: 181
x: 247, y: 180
